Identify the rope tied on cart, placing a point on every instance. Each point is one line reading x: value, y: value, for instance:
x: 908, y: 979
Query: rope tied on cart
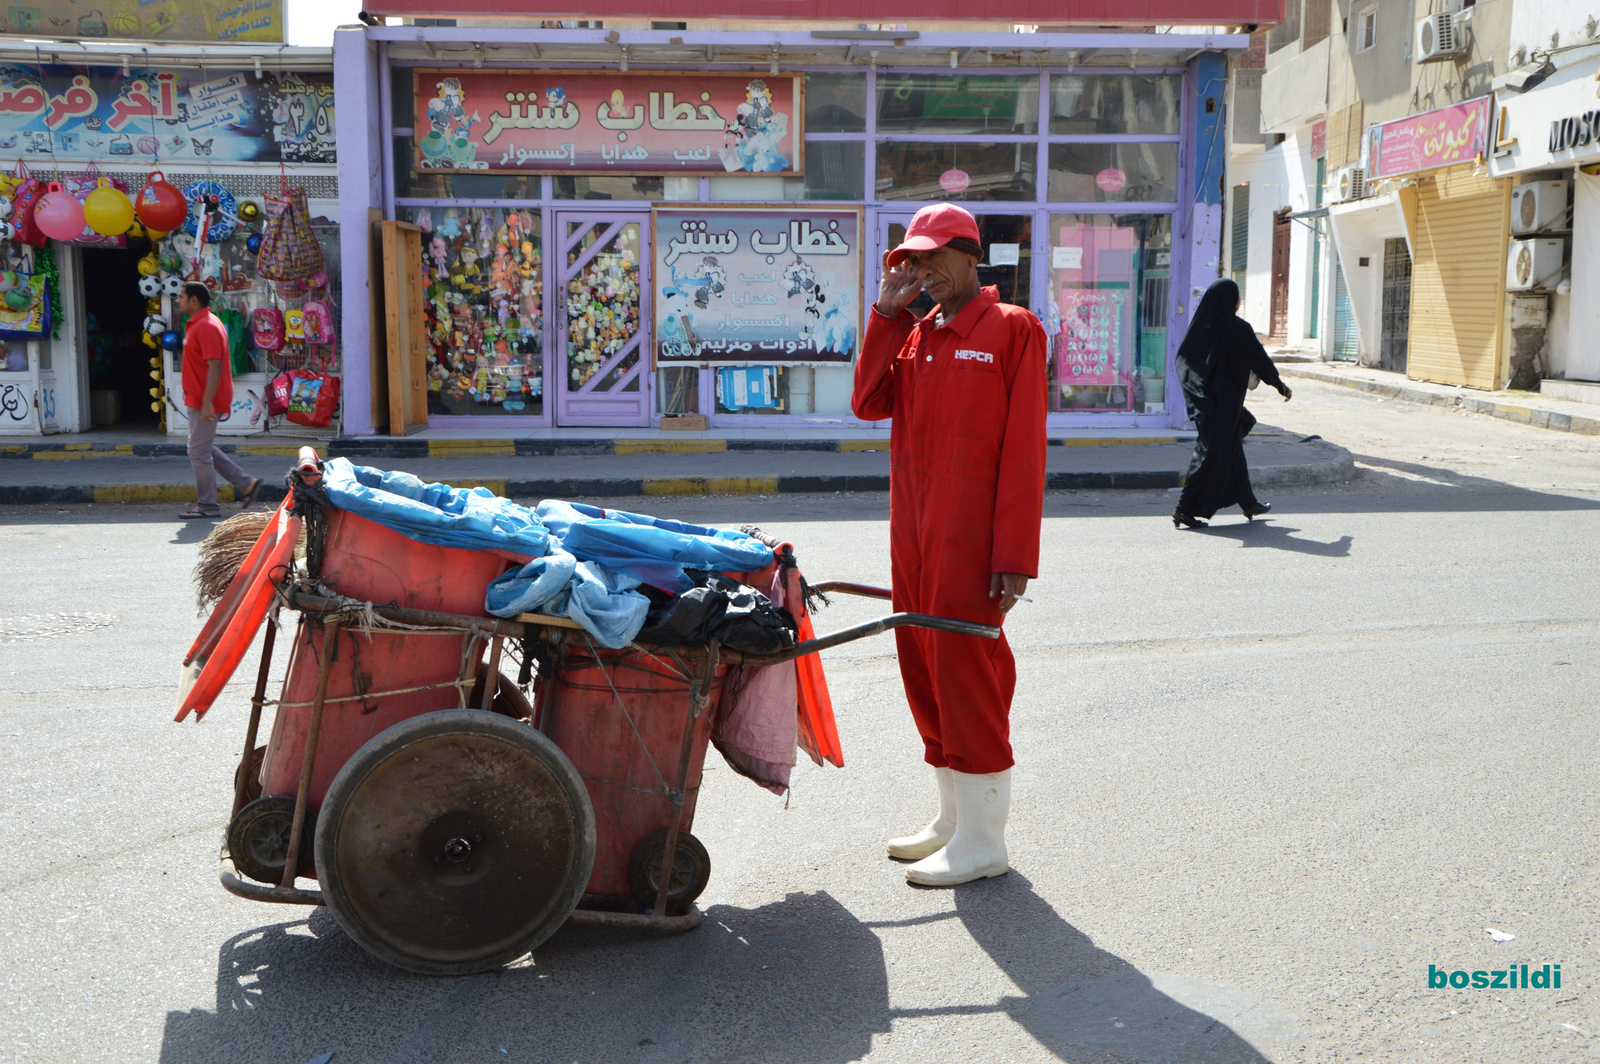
x: 673, y: 796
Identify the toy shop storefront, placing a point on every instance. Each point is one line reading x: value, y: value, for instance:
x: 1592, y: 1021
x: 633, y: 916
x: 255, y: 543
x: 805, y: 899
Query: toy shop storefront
x: 214, y: 133
x: 640, y: 225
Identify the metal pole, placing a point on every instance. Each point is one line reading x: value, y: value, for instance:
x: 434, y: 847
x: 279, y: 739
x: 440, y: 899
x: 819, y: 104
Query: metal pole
x: 699, y: 698
x: 330, y: 642
x: 242, y: 786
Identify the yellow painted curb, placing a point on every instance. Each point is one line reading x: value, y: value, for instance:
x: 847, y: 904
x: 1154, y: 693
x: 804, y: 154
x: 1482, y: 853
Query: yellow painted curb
x: 79, y: 450
x: 471, y: 449
x: 142, y: 493
x: 287, y: 449
x: 1512, y: 412
x: 668, y: 446
x: 15, y: 448
x: 863, y: 445
x: 711, y: 485
x: 496, y: 486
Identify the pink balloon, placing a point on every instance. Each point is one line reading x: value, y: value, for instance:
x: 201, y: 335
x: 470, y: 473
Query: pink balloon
x: 59, y: 214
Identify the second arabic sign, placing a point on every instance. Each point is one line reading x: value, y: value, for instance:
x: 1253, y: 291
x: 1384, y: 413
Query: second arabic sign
x: 756, y: 285
x: 583, y: 122
x: 1450, y: 135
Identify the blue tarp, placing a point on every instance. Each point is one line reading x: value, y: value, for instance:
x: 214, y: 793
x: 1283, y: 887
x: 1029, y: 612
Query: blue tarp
x: 472, y: 519
x: 586, y: 561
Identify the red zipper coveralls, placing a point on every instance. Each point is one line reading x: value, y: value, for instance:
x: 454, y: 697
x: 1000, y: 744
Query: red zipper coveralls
x: 966, y: 490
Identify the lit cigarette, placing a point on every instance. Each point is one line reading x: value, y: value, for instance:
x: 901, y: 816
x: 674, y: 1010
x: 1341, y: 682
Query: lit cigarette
x: 1022, y: 598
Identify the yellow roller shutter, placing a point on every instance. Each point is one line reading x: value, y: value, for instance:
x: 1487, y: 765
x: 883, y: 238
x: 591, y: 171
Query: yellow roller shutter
x: 1458, y: 278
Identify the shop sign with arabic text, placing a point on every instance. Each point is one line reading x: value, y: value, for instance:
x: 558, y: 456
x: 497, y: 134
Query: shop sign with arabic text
x: 584, y: 122
x: 1450, y: 135
x: 147, y: 20
x: 759, y: 285
x: 62, y: 114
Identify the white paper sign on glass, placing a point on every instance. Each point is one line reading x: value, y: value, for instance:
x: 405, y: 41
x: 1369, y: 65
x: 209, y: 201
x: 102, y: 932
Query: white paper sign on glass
x: 1066, y: 258
x: 1005, y: 254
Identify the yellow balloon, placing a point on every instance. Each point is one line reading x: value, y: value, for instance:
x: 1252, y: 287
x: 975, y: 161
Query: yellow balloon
x: 149, y: 266
x: 157, y: 236
x: 108, y: 211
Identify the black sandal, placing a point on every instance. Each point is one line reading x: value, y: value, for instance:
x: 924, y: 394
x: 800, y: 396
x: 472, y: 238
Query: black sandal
x: 249, y: 495
x: 1185, y: 521
x: 196, y: 515
x: 1253, y: 512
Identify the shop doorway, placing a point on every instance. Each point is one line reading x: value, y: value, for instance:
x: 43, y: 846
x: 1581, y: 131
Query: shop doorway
x: 119, y: 362
x: 1007, y: 241
x: 601, y: 319
x: 1281, y: 233
x: 1396, y: 305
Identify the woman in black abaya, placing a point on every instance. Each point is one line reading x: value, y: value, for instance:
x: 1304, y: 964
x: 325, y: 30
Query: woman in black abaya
x: 1215, y: 361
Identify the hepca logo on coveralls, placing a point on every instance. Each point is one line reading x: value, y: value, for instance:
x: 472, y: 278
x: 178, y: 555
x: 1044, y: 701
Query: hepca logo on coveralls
x: 974, y: 356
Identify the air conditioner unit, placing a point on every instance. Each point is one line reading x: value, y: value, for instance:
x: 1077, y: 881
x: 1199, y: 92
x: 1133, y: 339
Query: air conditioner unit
x: 1538, y: 206
x: 1349, y: 184
x: 1533, y: 265
x: 1440, y: 37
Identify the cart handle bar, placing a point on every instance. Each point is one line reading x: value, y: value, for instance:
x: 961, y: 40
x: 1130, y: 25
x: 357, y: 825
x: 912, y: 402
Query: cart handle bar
x: 843, y: 588
x: 877, y: 627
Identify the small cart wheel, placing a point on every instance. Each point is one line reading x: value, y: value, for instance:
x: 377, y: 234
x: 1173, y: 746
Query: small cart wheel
x: 258, y: 839
x: 251, y: 770
x: 691, y: 871
x: 455, y: 842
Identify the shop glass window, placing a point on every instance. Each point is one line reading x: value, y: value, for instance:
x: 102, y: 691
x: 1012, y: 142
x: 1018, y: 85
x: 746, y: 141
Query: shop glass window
x: 1113, y: 173
x: 774, y: 390
x: 834, y: 171
x: 402, y: 99
x: 1007, y: 264
x: 1115, y: 103
x: 926, y: 170
x: 1108, y: 303
x: 485, y: 309
x: 836, y: 103
x: 620, y: 187
x: 958, y: 103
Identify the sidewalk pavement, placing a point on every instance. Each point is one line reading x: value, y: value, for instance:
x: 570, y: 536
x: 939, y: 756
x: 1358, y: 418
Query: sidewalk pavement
x: 1530, y: 408
x: 623, y: 467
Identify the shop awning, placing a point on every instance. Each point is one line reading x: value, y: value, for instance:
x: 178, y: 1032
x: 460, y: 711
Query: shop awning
x: 474, y: 45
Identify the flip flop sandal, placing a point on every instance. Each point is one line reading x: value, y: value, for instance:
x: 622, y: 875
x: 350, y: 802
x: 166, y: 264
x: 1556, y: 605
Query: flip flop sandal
x: 196, y: 515
x: 249, y: 495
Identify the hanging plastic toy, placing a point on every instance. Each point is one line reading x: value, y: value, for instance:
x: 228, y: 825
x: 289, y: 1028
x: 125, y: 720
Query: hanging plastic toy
x: 159, y: 205
x: 170, y: 340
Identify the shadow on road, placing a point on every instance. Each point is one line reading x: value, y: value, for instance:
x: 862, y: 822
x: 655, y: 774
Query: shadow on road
x: 799, y: 981
x: 1264, y: 533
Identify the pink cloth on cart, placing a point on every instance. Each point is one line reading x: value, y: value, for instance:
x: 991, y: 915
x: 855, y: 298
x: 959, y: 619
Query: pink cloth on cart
x: 758, y: 722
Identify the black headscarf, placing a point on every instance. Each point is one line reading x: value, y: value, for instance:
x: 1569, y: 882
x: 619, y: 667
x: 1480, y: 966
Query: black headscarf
x: 1220, y: 303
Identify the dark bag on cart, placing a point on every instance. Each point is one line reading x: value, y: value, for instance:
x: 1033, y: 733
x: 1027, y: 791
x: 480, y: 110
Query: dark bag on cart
x: 736, y: 615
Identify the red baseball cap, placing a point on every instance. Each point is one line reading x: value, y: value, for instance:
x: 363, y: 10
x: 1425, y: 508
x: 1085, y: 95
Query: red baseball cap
x: 934, y: 227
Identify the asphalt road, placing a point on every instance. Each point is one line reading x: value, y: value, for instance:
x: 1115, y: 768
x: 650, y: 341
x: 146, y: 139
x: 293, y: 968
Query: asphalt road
x: 1267, y: 774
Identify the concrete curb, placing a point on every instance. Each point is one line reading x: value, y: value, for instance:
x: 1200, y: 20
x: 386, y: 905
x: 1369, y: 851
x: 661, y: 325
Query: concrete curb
x: 1335, y: 468
x: 1427, y: 395
x: 402, y: 448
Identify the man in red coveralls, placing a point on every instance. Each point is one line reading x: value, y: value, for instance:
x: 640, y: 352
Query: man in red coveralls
x: 966, y: 389
x: 208, y: 393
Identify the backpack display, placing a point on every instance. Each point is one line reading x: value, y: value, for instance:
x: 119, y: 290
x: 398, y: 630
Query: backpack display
x: 266, y: 328
x: 29, y: 190
x: 289, y: 249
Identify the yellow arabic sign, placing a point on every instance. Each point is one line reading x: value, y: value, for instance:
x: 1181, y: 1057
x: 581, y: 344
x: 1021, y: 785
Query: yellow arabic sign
x: 147, y: 20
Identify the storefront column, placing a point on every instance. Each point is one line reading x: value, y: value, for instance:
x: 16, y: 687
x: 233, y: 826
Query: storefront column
x: 360, y: 139
x: 1200, y: 227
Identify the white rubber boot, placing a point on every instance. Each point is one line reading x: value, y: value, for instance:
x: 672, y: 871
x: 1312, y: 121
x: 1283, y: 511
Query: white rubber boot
x: 933, y: 837
x: 977, y: 850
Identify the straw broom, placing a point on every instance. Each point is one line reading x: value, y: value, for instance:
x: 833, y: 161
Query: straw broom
x: 225, y: 549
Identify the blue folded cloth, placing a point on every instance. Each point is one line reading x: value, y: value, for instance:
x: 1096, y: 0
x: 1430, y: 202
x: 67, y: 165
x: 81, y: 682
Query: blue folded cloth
x: 653, y: 549
x: 470, y: 518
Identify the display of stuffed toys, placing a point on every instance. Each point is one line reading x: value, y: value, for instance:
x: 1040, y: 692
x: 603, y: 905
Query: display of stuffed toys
x: 485, y: 310
x: 602, y: 313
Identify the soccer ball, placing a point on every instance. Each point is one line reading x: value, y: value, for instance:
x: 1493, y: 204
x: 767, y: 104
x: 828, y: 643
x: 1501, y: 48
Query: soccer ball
x: 155, y: 324
x: 150, y: 287
x: 173, y: 286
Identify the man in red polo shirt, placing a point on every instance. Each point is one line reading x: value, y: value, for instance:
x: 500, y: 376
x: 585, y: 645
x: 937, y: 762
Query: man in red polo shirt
x: 208, y: 394
x: 966, y: 389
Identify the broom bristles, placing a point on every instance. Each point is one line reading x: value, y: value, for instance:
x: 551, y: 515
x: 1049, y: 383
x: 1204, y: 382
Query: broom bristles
x: 224, y: 551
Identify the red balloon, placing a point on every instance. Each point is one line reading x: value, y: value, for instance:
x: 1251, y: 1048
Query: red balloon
x: 160, y: 205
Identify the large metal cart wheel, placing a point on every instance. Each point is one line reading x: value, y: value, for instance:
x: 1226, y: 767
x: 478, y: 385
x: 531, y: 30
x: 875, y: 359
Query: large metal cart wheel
x: 454, y: 842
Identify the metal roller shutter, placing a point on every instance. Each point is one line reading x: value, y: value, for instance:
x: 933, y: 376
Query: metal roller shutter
x: 1458, y: 279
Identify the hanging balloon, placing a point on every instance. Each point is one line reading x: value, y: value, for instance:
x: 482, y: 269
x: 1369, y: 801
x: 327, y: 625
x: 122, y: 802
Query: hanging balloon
x: 149, y: 266
x: 170, y: 340
x: 5, y: 206
x: 223, y: 222
x: 155, y: 324
x: 150, y: 287
x: 249, y: 211
x: 135, y: 230
x: 59, y: 214
x: 108, y: 211
x: 160, y: 205
x: 253, y: 244
x: 156, y: 235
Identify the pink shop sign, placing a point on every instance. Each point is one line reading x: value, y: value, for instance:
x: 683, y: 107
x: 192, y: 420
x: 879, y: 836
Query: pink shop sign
x: 1449, y: 135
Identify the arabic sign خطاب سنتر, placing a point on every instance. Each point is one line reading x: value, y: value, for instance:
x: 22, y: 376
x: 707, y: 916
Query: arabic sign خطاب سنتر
x: 777, y: 284
x: 577, y: 122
